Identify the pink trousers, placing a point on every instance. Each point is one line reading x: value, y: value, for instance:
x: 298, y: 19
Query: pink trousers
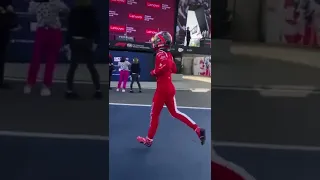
x: 47, y: 46
x: 123, y: 79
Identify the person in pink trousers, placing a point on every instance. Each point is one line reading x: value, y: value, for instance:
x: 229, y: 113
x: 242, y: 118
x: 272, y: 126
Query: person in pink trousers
x: 124, y: 68
x: 48, y: 41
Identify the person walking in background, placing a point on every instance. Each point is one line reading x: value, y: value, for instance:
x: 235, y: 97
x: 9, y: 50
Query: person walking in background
x: 188, y: 36
x: 183, y: 8
x: 7, y: 23
x: 83, y: 34
x: 111, y: 68
x: 135, y: 74
x: 48, y: 41
x: 124, y: 66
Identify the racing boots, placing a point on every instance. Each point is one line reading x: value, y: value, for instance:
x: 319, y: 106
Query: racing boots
x: 201, y: 134
x: 145, y: 141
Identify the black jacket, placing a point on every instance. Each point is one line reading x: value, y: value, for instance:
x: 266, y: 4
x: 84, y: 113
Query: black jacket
x: 188, y: 34
x: 111, y: 67
x: 8, y: 20
x: 135, y: 68
x: 83, y: 22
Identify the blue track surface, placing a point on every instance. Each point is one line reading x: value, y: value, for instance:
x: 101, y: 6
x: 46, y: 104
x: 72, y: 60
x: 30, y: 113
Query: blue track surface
x: 23, y: 158
x: 175, y: 154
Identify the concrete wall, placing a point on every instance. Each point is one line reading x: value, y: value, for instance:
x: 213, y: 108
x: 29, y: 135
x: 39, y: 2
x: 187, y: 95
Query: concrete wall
x: 247, y: 21
x: 220, y: 53
x: 187, y: 65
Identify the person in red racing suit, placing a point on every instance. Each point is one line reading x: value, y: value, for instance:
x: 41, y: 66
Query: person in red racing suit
x: 222, y: 169
x: 165, y: 91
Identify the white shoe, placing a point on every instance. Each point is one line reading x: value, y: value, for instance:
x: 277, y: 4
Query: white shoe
x: 45, y: 91
x: 118, y: 89
x: 27, y: 89
x: 123, y: 90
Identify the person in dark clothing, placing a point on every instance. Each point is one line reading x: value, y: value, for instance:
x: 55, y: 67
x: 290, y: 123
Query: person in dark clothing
x: 135, y: 74
x: 83, y: 32
x: 7, y: 23
x: 111, y: 68
x: 188, y: 36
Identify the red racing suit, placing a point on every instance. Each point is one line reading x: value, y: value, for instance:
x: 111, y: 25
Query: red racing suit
x: 165, y: 92
x: 164, y: 67
x: 222, y: 169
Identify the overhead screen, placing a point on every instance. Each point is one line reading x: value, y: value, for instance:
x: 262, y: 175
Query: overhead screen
x: 195, y: 14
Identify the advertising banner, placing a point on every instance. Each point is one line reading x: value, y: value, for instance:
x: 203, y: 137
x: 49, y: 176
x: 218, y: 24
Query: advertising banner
x: 23, y: 39
x: 146, y: 63
x: 130, y: 46
x: 146, y: 47
x: 202, y: 66
x: 140, y: 19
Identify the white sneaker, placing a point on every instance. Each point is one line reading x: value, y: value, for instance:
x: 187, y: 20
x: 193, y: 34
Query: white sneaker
x: 45, y: 91
x: 123, y: 90
x: 27, y: 89
x: 118, y: 89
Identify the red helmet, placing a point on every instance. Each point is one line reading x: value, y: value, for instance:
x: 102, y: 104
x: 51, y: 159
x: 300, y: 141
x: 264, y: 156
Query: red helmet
x: 162, y: 39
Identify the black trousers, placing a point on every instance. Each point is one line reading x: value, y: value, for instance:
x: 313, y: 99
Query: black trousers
x: 110, y: 76
x: 4, y: 42
x: 81, y: 52
x: 188, y: 42
x: 135, y: 78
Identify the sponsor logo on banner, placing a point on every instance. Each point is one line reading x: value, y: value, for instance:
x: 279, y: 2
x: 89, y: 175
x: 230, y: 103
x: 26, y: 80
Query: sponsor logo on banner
x: 115, y: 28
x: 125, y: 38
x: 130, y: 29
x: 185, y: 50
x: 113, y: 13
x: 165, y: 7
x: 132, y: 46
x: 136, y: 16
x: 119, y: 1
x: 120, y: 44
x: 153, y: 5
x: 132, y: 2
x: 151, y: 31
x: 138, y: 46
x: 148, y: 18
x: 22, y: 41
x: 116, y: 59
